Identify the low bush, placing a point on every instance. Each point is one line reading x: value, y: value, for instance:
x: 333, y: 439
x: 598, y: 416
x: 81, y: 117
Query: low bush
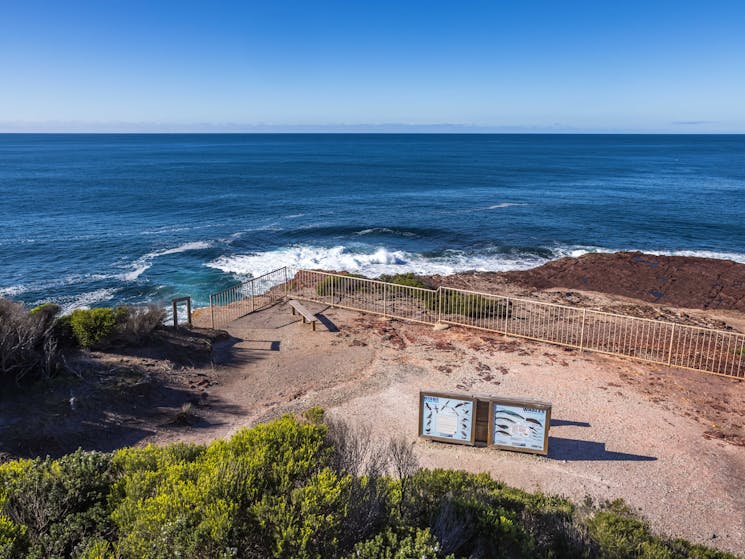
x: 60, y: 504
x: 335, y: 285
x: 94, y: 326
x: 124, y: 325
x: 138, y: 322
x: 410, y: 280
x: 473, y: 305
x: 416, y: 544
x: 298, y: 488
x: 28, y: 348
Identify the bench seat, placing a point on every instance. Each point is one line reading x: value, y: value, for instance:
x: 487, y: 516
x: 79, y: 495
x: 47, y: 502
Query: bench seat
x: 305, y: 313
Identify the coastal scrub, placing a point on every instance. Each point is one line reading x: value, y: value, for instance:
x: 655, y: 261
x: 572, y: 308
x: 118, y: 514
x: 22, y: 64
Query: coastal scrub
x: 298, y: 487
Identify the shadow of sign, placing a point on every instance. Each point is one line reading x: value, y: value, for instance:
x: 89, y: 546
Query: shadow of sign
x: 575, y: 449
x: 566, y: 422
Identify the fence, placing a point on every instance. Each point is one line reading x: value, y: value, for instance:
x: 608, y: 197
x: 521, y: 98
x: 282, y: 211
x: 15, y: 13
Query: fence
x: 689, y: 347
x: 252, y: 295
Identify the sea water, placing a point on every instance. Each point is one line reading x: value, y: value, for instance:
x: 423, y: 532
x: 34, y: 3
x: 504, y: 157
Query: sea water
x: 101, y: 219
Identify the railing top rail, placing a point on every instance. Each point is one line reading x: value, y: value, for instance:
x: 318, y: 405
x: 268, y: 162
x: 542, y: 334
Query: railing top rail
x: 595, y: 311
x: 230, y: 288
x: 738, y: 335
x: 368, y: 280
x: 243, y: 283
x: 267, y: 274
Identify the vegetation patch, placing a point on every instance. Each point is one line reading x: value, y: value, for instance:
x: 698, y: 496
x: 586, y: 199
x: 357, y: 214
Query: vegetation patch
x: 298, y: 488
x: 410, y: 280
x: 33, y: 342
x: 336, y: 285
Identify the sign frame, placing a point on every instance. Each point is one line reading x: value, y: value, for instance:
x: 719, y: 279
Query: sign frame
x: 519, y: 402
x: 452, y: 396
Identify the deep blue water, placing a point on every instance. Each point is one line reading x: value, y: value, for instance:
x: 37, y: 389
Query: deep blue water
x: 95, y: 219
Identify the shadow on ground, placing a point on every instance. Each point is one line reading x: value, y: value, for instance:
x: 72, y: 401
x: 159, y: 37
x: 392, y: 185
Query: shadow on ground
x: 576, y: 450
x: 568, y: 423
x: 108, y: 407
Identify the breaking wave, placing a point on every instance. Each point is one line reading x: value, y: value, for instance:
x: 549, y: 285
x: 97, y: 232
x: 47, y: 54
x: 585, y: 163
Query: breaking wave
x: 142, y: 264
x: 375, y: 262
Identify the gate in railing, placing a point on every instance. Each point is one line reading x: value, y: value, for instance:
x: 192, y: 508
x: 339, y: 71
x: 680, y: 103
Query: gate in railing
x: 690, y: 347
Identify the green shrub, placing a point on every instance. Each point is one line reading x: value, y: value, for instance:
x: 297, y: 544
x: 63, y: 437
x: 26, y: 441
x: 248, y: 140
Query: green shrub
x: 283, y: 490
x: 339, y: 286
x: 12, y: 539
x: 62, y: 331
x: 94, y: 326
x: 258, y: 490
x: 49, y: 309
x: 416, y: 544
x: 620, y: 534
x: 410, y: 280
x: 60, y: 503
x: 472, y: 305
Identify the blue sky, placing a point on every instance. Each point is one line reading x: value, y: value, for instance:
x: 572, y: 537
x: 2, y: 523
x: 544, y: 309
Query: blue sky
x: 521, y: 65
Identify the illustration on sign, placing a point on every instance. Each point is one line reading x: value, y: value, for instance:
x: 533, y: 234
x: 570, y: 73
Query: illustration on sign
x: 519, y: 426
x: 447, y: 418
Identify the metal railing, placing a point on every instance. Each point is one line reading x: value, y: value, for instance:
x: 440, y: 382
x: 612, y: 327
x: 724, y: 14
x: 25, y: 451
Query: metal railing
x: 666, y: 343
x: 244, y: 298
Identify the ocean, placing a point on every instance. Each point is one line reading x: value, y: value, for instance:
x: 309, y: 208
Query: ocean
x: 99, y: 219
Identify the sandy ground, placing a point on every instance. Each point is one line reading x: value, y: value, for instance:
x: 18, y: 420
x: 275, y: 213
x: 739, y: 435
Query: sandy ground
x: 654, y: 436
x: 670, y: 442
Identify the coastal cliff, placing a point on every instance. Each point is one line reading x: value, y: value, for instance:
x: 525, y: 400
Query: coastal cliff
x: 680, y: 281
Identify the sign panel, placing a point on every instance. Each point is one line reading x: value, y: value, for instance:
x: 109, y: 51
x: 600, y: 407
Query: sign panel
x: 447, y: 417
x: 520, y: 425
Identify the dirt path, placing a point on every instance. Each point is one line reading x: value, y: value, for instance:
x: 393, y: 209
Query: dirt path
x: 619, y: 429
x: 670, y: 442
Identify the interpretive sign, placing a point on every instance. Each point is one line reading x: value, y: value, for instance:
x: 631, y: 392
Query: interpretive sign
x: 447, y: 417
x: 520, y: 425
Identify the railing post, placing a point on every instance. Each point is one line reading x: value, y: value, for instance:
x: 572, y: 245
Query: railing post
x: 287, y: 287
x: 670, y: 352
x: 175, y: 313
x: 253, y: 296
x: 439, y: 303
x: 582, y: 331
x: 188, y: 311
x: 385, y: 299
x: 212, y: 311
x: 333, y: 284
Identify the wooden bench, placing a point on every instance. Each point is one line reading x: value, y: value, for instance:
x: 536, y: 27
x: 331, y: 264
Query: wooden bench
x: 305, y: 313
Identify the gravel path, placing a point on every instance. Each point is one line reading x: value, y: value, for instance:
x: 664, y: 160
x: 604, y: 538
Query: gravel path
x: 619, y: 429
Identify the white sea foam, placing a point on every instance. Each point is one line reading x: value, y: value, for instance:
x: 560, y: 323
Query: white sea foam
x: 380, y: 261
x: 197, y: 245
x: 386, y: 230
x: 51, y: 285
x: 385, y: 261
x: 142, y: 264
x: 505, y: 205
x: 734, y: 256
x: 13, y: 290
x: 83, y: 301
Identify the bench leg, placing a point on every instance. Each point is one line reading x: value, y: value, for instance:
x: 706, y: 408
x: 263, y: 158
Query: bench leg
x: 293, y: 311
x: 314, y: 325
x: 303, y: 320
